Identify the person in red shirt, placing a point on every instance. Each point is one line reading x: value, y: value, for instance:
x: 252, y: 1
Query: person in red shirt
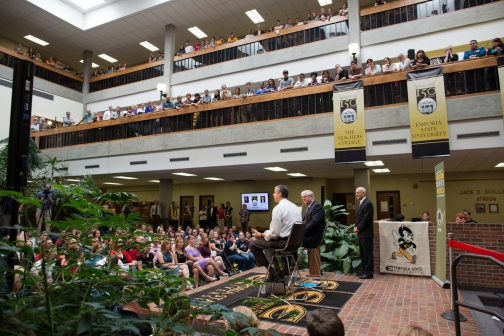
x: 197, y: 45
x: 134, y: 252
x: 122, y: 254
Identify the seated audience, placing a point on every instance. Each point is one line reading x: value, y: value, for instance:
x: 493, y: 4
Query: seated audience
x: 244, y: 247
x: 19, y: 49
x: 205, y: 249
x: 302, y: 81
x: 326, y: 77
x: 355, y: 72
x: 388, y: 66
x: 404, y: 62
x: 205, y: 263
x: 413, y: 331
x: 167, y: 263
x: 461, y: 218
x: 234, y: 255
x: 497, y: 48
x: 341, y: 74
x: 372, y: 68
x: 450, y: 56
x: 324, y: 322
x: 421, y: 61
x: 313, y: 79
x: 475, y: 51
x: 180, y: 257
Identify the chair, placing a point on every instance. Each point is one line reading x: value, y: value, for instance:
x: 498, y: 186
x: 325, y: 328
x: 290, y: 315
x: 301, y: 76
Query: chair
x: 230, y: 268
x: 323, y: 275
x: 294, y: 241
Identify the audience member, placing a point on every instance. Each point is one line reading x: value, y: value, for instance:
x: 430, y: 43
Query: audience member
x: 497, y: 47
x: 188, y: 48
x: 355, y: 72
x: 278, y: 26
x: 421, y: 61
x: 450, y: 56
x: 258, y: 31
x: 250, y: 33
x: 324, y: 322
x: 197, y: 45
x: 286, y: 82
x: 232, y: 38
x: 341, y: 74
x: 469, y: 219
x: 160, y: 56
x: 168, y: 104
x: 475, y: 51
x: 216, y: 96
x: 152, y: 58
x: 30, y: 53
x: 388, y: 66
x: 241, y: 324
x: 212, y: 42
x: 249, y: 91
x: 88, y: 117
x: 67, y: 120
x: 372, y: 68
x: 225, y: 93
x: 234, y: 255
x: 181, y: 51
x: 379, y: 3
x: 19, y: 49
x: 221, y: 41
x: 237, y: 94
x: 313, y: 79
x: 271, y: 86
x: 35, y: 125
x: 413, y: 331
x: 461, y: 218
x: 326, y: 77
x: 425, y: 216
x: 322, y: 15
x: 150, y: 107
x: 262, y: 89
x: 39, y: 58
x: 50, y: 61
x: 344, y: 10
x: 404, y: 62
x: 297, y: 22
x: 301, y: 82
x: 399, y: 218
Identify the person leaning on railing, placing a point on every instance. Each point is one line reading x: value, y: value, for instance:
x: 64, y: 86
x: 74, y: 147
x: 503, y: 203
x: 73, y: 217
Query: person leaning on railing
x: 474, y: 51
x: 450, y: 56
x: 355, y: 72
x: 388, y: 66
x: 497, y: 48
x: 404, y: 62
x: 421, y: 61
x: 372, y: 68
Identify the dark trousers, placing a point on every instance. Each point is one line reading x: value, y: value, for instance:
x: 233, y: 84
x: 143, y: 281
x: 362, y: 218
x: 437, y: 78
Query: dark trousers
x: 262, y: 251
x: 212, y: 222
x: 156, y: 221
x: 366, y: 253
x: 244, y: 227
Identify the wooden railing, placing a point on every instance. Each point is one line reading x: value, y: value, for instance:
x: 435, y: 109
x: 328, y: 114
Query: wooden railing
x: 402, y: 11
x: 43, y: 70
x: 461, y: 78
x: 269, y: 41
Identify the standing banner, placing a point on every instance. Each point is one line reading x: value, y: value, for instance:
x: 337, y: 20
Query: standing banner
x: 349, y: 124
x: 440, y: 269
x: 427, y: 110
x: 500, y: 69
x: 404, y: 248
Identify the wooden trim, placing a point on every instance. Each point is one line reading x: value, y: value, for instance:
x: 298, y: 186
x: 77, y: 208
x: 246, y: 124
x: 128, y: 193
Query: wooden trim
x: 389, y: 6
x: 127, y: 71
x: 385, y: 78
x: 368, y: 108
x: 41, y: 64
x: 263, y: 37
x: 481, y: 62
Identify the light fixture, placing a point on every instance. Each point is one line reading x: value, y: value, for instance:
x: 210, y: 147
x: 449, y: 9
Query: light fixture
x: 296, y: 174
x: 154, y: 181
x: 161, y: 87
x: 149, y: 46
x: 254, y: 16
x: 197, y: 32
x: 213, y: 178
x: 112, y: 183
x: 29, y: 181
x: 36, y: 40
x: 72, y: 180
x: 353, y: 49
x: 374, y: 163
x: 93, y: 65
x: 383, y: 170
x: 125, y: 177
x: 49, y: 122
x: 500, y: 165
x: 184, y: 174
x: 108, y: 58
x: 86, y: 4
x: 276, y: 169
x: 324, y: 2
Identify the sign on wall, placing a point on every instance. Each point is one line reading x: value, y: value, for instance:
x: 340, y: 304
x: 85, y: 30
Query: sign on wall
x: 440, y: 269
x: 404, y: 248
x: 349, y: 124
x: 500, y: 69
x: 427, y: 110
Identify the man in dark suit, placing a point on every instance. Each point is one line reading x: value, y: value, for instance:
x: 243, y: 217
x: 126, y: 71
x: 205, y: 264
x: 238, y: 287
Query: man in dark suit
x: 314, y: 218
x: 364, y: 229
x: 212, y: 216
x: 258, y: 31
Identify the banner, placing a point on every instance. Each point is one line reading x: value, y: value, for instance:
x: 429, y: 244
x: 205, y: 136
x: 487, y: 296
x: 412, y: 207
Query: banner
x: 427, y: 110
x: 500, y: 69
x: 440, y: 269
x: 404, y: 248
x: 349, y: 124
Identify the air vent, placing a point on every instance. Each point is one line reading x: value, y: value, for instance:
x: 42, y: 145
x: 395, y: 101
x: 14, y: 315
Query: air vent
x: 235, y: 154
x: 92, y: 166
x: 64, y: 168
x: 132, y: 163
x: 478, y: 135
x: 291, y: 150
x: 389, y: 142
x: 179, y: 159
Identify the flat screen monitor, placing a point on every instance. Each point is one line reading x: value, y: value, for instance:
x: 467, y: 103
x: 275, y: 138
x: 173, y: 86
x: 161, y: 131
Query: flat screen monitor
x: 255, y: 201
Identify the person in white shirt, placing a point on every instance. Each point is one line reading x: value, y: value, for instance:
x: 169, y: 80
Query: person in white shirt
x: 285, y: 214
x: 67, y: 120
x: 404, y: 62
x: 110, y: 114
x: 35, y: 126
x: 188, y: 48
x: 302, y: 81
x: 250, y: 34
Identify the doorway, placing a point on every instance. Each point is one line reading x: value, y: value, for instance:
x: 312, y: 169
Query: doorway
x: 388, y: 204
x: 186, y: 201
x: 205, y: 200
x: 348, y: 200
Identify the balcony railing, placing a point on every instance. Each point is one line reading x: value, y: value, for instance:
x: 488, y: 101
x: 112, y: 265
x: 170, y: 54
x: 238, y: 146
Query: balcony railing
x: 43, y: 71
x: 267, y: 42
x: 478, y: 76
x: 128, y: 76
x: 409, y: 10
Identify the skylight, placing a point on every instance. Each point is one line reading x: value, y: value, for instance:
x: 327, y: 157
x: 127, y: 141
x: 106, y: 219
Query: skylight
x: 324, y: 2
x: 108, y: 58
x: 94, y: 65
x: 149, y: 46
x: 254, y: 16
x: 86, y: 4
x: 36, y: 40
x: 500, y: 165
x: 197, y: 32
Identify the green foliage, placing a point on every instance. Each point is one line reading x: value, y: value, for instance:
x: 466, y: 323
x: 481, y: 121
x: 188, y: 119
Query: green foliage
x: 340, y: 251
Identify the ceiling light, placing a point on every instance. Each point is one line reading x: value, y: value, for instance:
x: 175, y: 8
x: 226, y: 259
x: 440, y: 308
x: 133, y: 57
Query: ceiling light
x: 324, y: 2
x: 94, y: 65
x: 213, y: 178
x: 112, y: 183
x: 108, y: 58
x: 296, y: 174
x: 184, y: 174
x: 155, y: 181
x: 36, y: 40
x: 500, y: 165
x: 197, y: 32
x: 73, y: 180
x: 373, y: 163
x: 276, y: 169
x: 29, y: 181
x: 149, y: 46
x: 254, y: 16
x: 86, y: 4
x: 384, y: 170
x: 125, y: 177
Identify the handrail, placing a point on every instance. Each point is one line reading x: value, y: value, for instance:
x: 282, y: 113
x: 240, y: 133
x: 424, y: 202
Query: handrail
x: 389, y: 6
x: 127, y: 71
x: 482, y: 62
x: 262, y: 37
x: 41, y: 64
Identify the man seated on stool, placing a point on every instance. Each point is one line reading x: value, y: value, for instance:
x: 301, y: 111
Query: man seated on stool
x: 283, y: 218
x: 314, y: 217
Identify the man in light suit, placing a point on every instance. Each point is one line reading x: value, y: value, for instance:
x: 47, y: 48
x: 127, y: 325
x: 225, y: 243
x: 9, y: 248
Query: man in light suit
x: 314, y: 218
x: 364, y: 229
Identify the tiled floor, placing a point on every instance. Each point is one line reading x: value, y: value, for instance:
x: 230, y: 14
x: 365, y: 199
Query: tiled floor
x: 385, y: 304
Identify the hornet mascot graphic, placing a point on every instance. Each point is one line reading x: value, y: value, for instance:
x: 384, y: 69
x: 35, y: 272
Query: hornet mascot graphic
x: 405, y: 240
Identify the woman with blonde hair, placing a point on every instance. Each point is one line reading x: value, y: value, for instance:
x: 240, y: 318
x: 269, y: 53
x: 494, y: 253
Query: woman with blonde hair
x: 413, y: 331
x: 166, y: 262
x: 180, y: 258
x: 250, y: 320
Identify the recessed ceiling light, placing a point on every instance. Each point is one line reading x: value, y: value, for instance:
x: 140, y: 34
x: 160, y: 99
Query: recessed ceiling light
x: 213, y: 178
x: 184, y: 174
x: 373, y: 163
x: 86, y: 4
x: 254, y: 16
x: 112, y: 183
x: 155, y: 181
x: 149, y: 46
x: 36, y: 40
x: 108, y: 58
x: 197, y: 32
x: 324, y: 2
x: 384, y: 170
x: 276, y: 169
x: 29, y: 181
x: 125, y: 177
x: 500, y: 165
x: 93, y: 65
x: 296, y: 174
x: 73, y: 180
